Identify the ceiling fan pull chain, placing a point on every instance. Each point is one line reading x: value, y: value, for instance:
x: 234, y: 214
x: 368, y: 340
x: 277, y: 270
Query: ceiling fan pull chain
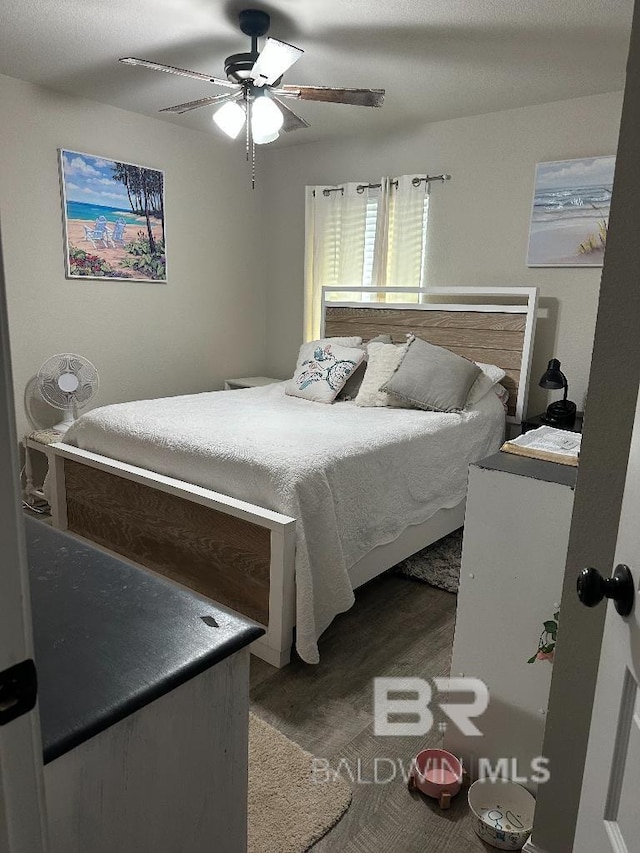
x: 250, y: 141
x: 253, y: 165
x: 247, y: 124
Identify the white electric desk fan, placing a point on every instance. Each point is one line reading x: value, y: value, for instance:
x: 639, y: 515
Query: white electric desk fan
x: 67, y: 381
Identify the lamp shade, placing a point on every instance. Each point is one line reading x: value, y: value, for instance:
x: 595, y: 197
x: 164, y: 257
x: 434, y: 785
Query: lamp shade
x: 266, y: 118
x: 553, y: 377
x: 230, y: 118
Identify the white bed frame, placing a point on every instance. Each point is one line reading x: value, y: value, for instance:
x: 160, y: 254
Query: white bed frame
x: 275, y: 645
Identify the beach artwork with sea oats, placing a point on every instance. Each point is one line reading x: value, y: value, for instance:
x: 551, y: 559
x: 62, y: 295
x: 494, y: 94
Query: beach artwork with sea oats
x: 113, y: 215
x: 570, y: 215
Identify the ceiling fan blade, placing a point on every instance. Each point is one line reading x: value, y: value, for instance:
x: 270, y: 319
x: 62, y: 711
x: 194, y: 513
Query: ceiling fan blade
x: 201, y: 102
x: 291, y: 120
x: 183, y: 72
x: 355, y: 97
x: 275, y: 58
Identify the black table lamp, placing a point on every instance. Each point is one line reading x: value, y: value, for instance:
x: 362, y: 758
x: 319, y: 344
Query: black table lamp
x: 562, y: 411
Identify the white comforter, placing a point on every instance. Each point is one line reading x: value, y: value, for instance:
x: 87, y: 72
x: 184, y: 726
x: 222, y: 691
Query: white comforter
x: 354, y: 477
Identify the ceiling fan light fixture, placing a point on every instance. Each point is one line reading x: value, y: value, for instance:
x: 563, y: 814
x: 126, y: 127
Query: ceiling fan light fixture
x: 255, y: 80
x: 264, y: 138
x: 230, y: 118
x: 266, y: 119
x: 275, y: 58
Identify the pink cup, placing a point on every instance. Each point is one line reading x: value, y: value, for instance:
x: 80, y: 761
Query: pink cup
x: 436, y: 773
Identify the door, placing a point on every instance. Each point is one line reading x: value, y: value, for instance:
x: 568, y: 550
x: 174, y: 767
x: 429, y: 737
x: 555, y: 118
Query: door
x: 21, y: 786
x: 597, y: 809
x: 608, y: 817
x: 597, y: 795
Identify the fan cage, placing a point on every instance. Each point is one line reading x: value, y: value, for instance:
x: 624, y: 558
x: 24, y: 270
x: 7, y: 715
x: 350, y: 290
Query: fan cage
x: 75, y: 365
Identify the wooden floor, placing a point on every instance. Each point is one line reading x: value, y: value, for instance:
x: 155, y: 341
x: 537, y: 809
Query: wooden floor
x: 398, y: 627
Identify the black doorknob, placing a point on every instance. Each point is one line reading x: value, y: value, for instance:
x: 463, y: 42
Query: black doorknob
x: 592, y: 588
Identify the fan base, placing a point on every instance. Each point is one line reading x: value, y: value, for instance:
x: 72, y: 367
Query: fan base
x: 238, y: 66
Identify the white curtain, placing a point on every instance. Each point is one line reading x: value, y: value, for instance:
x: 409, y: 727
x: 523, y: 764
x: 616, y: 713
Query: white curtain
x: 364, y: 235
x: 381, y: 244
x: 337, y: 245
x: 408, y: 211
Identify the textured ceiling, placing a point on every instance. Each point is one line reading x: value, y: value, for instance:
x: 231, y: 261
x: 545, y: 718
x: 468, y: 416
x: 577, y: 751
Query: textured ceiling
x: 437, y: 59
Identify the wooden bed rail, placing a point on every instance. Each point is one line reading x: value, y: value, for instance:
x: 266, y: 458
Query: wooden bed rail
x: 238, y: 554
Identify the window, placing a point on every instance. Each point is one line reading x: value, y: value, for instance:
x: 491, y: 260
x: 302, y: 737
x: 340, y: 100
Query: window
x: 362, y: 236
x: 371, y: 221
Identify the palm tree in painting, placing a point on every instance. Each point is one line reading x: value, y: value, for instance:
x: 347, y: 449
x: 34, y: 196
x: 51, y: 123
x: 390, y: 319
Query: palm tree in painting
x: 144, y: 189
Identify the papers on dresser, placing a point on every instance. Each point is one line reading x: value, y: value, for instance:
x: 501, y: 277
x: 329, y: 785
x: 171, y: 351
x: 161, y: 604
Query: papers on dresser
x: 548, y: 443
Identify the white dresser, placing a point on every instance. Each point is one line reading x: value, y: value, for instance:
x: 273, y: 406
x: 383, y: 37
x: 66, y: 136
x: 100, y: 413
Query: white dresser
x: 144, y: 705
x: 516, y: 535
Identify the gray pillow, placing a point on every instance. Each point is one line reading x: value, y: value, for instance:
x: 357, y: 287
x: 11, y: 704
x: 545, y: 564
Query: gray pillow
x: 432, y: 378
x: 353, y: 383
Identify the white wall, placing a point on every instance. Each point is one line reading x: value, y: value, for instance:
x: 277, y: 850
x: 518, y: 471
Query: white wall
x: 146, y: 339
x: 479, y: 220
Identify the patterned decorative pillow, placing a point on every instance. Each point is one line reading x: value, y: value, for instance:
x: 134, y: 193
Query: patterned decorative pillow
x: 307, y: 350
x: 322, y: 375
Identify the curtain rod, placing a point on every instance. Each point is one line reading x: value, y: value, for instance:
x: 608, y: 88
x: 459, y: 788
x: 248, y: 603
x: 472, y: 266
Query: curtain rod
x: 362, y: 187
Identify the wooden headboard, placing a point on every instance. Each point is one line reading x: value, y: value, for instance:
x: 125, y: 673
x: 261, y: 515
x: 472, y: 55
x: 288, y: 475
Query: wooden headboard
x: 491, y: 325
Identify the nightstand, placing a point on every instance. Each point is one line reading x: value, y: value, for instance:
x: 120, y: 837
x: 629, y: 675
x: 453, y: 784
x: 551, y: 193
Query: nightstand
x: 536, y: 421
x: 248, y: 382
x: 516, y: 535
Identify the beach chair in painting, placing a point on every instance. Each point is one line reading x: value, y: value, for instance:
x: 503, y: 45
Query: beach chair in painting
x: 116, y: 237
x: 97, y: 234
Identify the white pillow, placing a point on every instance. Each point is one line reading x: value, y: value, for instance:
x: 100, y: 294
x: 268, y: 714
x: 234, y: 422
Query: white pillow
x: 503, y: 395
x: 307, y: 350
x: 322, y: 375
x: 353, y: 383
x: 489, y: 377
x: 382, y: 361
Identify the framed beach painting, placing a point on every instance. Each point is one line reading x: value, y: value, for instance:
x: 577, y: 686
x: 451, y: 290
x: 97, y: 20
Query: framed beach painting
x: 113, y: 216
x: 570, y: 214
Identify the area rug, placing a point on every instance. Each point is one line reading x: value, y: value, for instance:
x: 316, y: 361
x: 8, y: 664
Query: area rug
x: 288, y: 811
x: 437, y: 564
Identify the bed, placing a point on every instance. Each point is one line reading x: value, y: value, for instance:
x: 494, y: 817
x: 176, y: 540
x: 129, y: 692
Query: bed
x: 278, y: 507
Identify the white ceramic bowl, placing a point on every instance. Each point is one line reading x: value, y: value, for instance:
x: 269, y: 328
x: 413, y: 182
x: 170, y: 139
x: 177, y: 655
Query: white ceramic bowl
x: 503, y: 813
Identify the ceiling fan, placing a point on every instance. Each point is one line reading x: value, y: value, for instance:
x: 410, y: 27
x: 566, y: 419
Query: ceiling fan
x: 255, y: 81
